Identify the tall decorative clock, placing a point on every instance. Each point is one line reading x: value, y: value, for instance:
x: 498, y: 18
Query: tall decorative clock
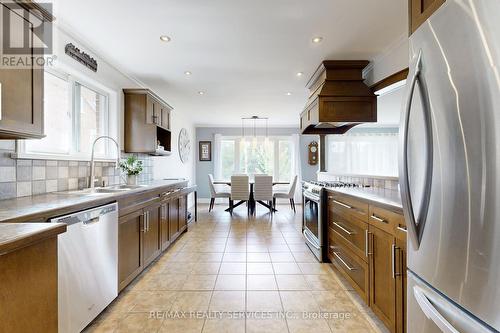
x: 184, y: 145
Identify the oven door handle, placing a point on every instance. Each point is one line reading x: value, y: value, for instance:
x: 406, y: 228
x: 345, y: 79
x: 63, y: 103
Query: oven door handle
x: 313, y: 198
x: 309, y: 240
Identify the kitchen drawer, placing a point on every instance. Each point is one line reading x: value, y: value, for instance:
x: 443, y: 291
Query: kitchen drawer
x: 353, y: 232
x: 354, y: 269
x: 385, y: 219
x: 347, y: 206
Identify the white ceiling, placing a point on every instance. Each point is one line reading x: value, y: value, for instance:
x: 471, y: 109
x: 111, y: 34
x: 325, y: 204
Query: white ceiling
x: 243, y: 53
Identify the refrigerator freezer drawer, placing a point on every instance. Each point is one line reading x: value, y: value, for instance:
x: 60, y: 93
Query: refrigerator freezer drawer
x: 430, y: 312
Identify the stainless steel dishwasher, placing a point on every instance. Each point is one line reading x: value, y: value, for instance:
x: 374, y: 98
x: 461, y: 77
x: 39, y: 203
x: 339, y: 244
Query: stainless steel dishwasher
x: 88, y: 266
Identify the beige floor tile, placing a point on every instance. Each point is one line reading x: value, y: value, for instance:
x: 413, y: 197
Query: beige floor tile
x: 230, y: 282
x: 261, y: 282
x: 278, y: 248
x: 322, y: 282
x: 178, y: 268
x: 182, y: 325
x: 258, y: 257
x: 192, y: 301
x: 234, y: 257
x: 138, y: 322
x: 275, y: 324
x: 265, y: 301
x: 257, y: 248
x: 304, y: 256
x: 210, y: 257
x: 154, y: 301
x: 298, y: 247
x: 282, y: 257
x: 302, y: 323
x: 334, y: 301
x: 125, y: 301
x: 286, y: 268
x: 227, y: 301
x: 206, y: 268
x: 314, y: 268
x: 225, y: 324
x: 291, y: 282
x: 166, y: 282
x: 351, y: 323
x: 233, y: 268
x: 298, y: 301
x: 200, y: 282
x: 259, y: 268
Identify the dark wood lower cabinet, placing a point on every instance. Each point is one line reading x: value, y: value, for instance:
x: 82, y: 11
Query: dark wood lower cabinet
x: 130, y: 235
x: 382, y: 281
x: 145, y: 233
x: 152, y: 246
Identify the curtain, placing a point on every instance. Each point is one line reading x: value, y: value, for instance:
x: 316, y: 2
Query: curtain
x: 296, y: 166
x: 370, y: 154
x: 217, y: 156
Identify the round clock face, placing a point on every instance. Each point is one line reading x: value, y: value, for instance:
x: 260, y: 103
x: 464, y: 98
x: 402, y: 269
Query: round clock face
x: 184, y: 145
x: 313, y: 149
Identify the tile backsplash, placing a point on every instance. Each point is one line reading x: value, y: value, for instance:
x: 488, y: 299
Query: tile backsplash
x: 25, y: 177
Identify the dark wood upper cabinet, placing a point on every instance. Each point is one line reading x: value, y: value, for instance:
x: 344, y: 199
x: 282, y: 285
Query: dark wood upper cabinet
x: 21, y: 109
x: 420, y: 11
x: 147, y: 122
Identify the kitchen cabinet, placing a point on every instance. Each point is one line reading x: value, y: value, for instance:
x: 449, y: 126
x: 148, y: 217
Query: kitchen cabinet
x: 173, y: 215
x: 420, y: 11
x: 165, y: 240
x: 151, y: 230
x: 21, y: 88
x: 382, y: 281
x: 182, y: 213
x: 130, y: 239
x: 367, y: 244
x: 147, y: 123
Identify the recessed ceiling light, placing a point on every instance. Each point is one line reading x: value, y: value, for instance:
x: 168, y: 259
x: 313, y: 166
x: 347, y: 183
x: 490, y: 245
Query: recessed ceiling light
x: 201, y: 92
x: 300, y: 74
x: 187, y: 73
x: 288, y: 93
x: 317, y: 40
x: 165, y: 38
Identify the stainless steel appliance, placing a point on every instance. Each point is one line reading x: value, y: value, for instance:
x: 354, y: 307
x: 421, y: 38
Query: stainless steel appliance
x: 314, y: 214
x: 450, y: 171
x: 88, y: 266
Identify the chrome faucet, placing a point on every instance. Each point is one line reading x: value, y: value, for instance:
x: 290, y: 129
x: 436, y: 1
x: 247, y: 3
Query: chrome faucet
x: 92, y: 162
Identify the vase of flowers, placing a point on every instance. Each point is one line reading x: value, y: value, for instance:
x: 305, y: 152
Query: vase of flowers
x: 132, y: 167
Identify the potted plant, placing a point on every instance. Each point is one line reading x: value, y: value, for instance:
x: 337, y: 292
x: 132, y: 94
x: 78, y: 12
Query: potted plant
x: 132, y: 167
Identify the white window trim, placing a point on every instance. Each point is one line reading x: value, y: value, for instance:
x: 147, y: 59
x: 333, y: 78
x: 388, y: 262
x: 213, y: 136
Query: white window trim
x: 112, y: 114
x: 237, y: 139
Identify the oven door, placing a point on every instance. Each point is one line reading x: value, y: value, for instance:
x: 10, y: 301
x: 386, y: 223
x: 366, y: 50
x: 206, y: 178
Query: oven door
x: 312, y: 224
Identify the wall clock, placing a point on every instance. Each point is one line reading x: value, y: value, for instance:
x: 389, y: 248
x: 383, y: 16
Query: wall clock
x: 313, y: 153
x: 184, y: 145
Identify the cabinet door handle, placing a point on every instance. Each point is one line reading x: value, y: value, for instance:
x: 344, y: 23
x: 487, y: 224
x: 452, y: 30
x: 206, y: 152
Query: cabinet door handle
x: 402, y: 229
x: 367, y: 243
x: 393, y: 261
x: 341, y: 227
x: 376, y: 218
x: 336, y: 254
x: 342, y: 204
x: 144, y: 223
x: 148, y: 214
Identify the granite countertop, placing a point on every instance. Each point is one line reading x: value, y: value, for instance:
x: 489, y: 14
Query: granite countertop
x: 14, y: 236
x: 17, y: 208
x: 385, y: 197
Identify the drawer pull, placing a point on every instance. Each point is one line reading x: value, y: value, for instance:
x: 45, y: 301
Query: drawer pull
x: 344, y: 229
x: 336, y: 254
x: 376, y: 218
x: 367, y: 243
x: 342, y: 204
x: 393, y: 261
x: 402, y: 229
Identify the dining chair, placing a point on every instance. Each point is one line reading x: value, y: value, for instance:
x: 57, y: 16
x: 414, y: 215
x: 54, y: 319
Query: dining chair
x: 287, y: 195
x: 214, y: 194
x: 240, y: 190
x: 263, y: 191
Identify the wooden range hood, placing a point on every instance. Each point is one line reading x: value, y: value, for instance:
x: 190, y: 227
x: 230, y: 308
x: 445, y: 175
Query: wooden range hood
x: 339, y: 99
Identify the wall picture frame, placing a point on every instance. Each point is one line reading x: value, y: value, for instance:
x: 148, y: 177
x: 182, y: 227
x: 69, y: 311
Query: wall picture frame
x: 205, y: 151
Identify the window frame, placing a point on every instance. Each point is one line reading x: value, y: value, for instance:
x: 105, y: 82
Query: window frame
x: 275, y: 141
x: 75, y: 82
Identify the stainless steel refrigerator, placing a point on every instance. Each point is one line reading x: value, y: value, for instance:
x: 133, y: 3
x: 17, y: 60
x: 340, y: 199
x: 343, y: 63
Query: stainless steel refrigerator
x: 450, y: 170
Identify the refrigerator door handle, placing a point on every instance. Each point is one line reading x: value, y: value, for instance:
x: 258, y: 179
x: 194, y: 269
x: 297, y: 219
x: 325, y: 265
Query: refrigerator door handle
x: 431, y: 312
x: 416, y: 228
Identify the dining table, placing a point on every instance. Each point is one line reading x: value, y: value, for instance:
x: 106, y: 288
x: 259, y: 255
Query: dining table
x: 251, y: 200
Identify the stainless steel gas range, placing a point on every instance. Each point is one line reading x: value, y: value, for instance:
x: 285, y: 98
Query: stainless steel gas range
x: 314, y: 218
